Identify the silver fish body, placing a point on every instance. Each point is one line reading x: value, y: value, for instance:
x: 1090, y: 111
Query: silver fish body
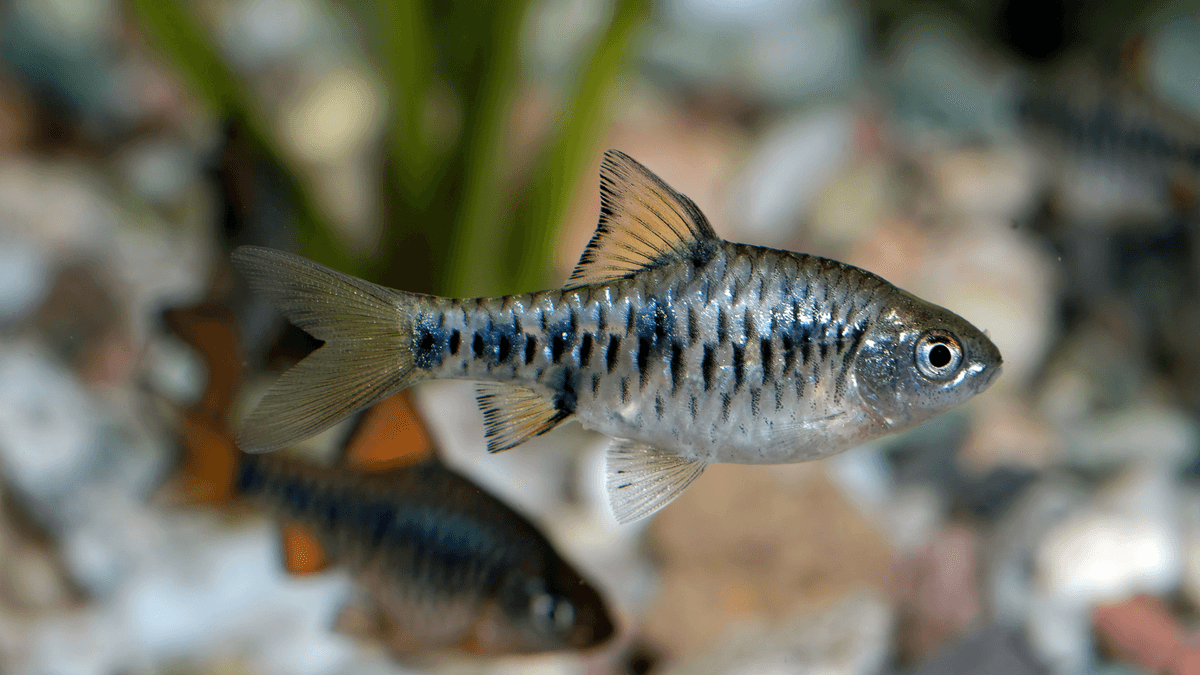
x: 747, y: 358
x: 689, y: 349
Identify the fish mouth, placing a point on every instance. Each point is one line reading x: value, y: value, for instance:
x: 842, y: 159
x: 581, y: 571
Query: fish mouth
x: 989, y: 375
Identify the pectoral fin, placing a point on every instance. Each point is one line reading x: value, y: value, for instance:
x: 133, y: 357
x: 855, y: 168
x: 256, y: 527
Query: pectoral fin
x: 514, y: 414
x: 642, y: 478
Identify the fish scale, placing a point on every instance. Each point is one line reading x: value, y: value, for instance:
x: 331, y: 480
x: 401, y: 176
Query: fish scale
x: 536, y: 340
x: 687, y: 349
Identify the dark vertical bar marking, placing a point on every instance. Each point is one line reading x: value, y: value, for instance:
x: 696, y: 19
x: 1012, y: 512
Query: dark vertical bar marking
x: 477, y: 344
x: 530, y: 348
x: 764, y: 348
x: 558, y: 344
x: 614, y: 350
x: 455, y: 341
x: 707, y: 366
x: 676, y: 366
x: 585, y: 350
x: 504, y: 349
x: 739, y: 366
x: 643, y: 361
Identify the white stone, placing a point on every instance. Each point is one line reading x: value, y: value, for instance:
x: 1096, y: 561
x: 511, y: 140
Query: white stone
x: 334, y: 117
x: 1125, y: 542
x: 1190, y: 506
x: 49, y: 428
x: 791, y: 166
x: 1145, y: 433
x: 24, y: 278
x: 851, y: 638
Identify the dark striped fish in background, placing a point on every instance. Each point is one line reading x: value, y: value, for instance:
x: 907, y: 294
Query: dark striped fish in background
x: 686, y: 348
x: 440, y: 563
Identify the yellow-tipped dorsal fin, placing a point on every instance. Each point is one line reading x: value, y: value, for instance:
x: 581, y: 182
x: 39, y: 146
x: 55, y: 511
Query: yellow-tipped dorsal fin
x: 643, y: 223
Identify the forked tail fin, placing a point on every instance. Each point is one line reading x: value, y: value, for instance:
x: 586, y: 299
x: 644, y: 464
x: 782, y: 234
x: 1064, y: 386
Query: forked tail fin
x: 368, y: 334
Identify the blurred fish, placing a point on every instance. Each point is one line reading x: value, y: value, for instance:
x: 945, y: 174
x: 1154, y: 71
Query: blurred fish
x: 444, y: 564
x: 688, y: 349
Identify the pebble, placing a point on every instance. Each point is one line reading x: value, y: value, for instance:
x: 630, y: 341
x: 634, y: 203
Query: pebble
x: 717, y: 573
x: 334, y: 117
x: 1145, y: 432
x: 937, y: 592
x: 49, y: 428
x: 1123, y: 541
x: 1190, y: 508
x: 1171, y: 64
x: 24, y: 278
x: 781, y: 53
x: 941, y: 81
x: 850, y: 638
x: 1014, y: 542
x: 1127, y: 541
x: 159, y: 170
x: 1139, y: 630
x: 60, y: 207
x: 786, y: 173
x: 992, y: 650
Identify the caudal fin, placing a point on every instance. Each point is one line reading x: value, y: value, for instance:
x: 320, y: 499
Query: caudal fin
x: 367, y: 330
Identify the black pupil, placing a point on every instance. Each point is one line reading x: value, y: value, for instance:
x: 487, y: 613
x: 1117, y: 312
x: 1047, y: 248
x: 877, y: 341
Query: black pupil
x: 939, y: 356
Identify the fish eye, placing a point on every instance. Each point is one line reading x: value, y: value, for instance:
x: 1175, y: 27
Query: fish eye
x: 553, y: 615
x: 938, y: 355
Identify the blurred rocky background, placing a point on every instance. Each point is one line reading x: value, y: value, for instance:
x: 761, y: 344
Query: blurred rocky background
x: 1034, y: 166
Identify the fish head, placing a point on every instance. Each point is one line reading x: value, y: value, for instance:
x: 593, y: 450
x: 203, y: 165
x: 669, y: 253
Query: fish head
x: 553, y: 610
x: 919, y: 360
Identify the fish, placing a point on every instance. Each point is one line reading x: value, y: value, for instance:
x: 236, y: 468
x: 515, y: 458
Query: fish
x: 442, y: 565
x: 686, y: 349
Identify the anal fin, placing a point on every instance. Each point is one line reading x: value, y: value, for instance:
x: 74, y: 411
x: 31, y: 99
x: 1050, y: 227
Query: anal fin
x: 513, y: 414
x: 303, y: 553
x: 642, y: 479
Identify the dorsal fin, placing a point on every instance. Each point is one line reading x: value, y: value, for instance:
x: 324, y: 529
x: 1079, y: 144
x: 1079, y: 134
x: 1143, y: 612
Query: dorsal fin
x: 389, y: 435
x: 643, y: 223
